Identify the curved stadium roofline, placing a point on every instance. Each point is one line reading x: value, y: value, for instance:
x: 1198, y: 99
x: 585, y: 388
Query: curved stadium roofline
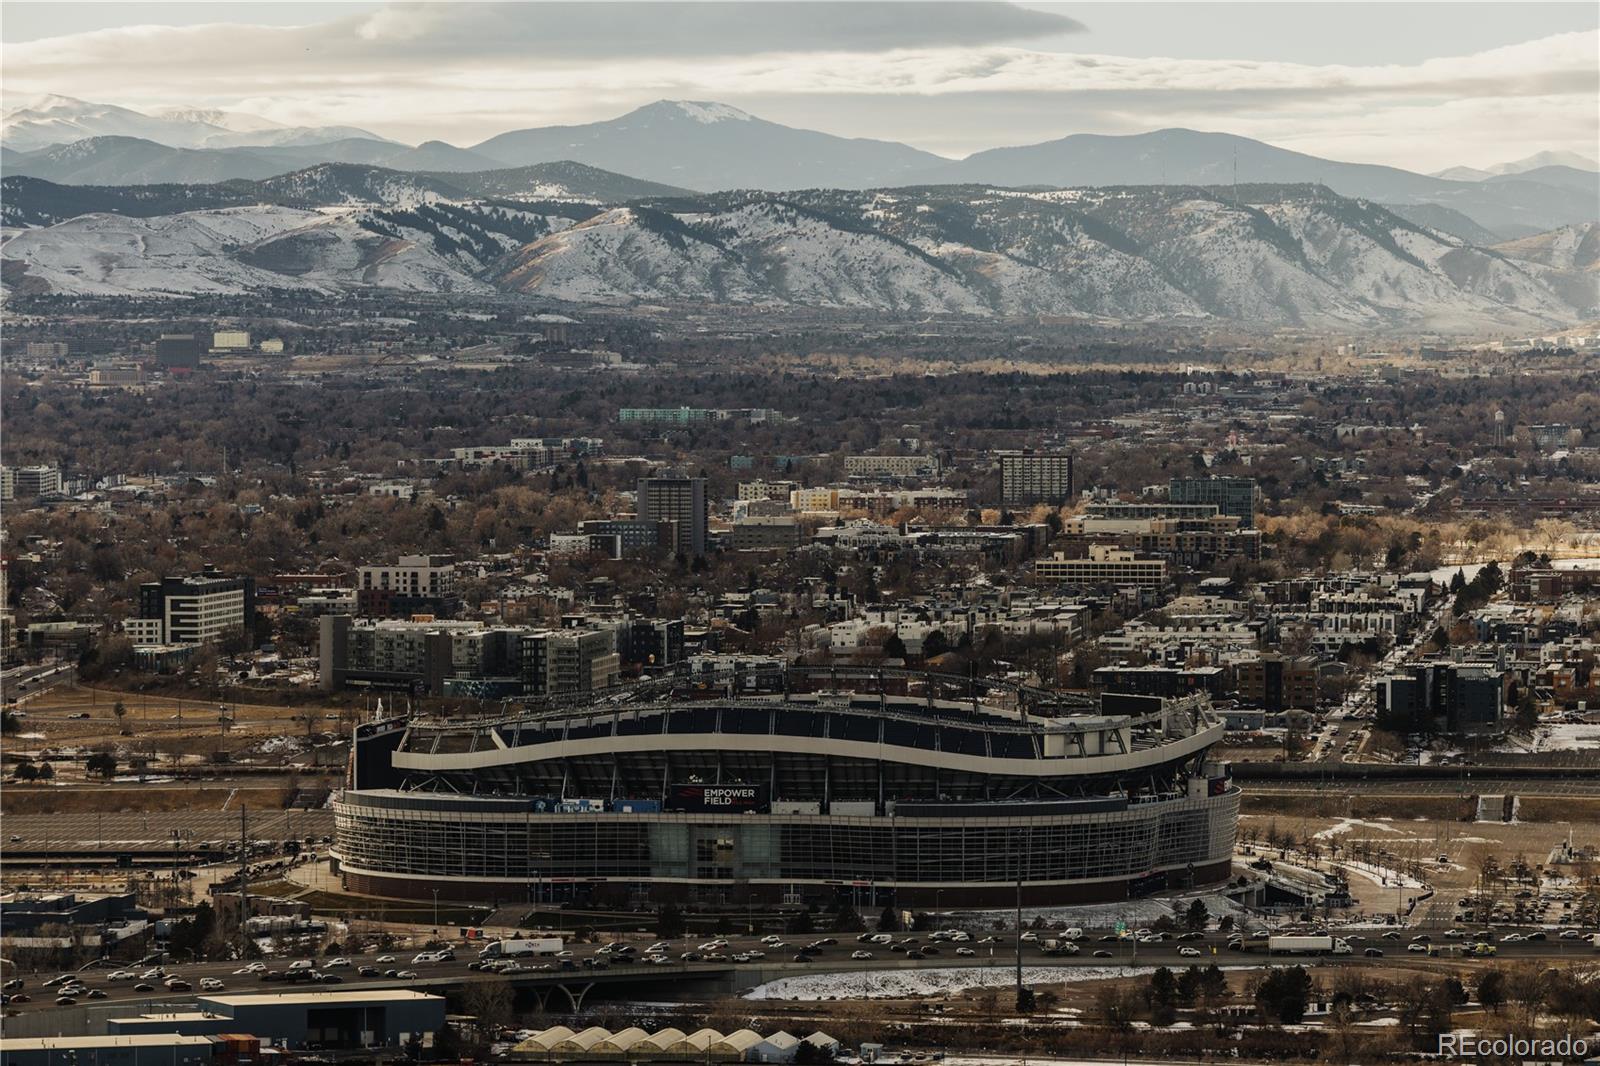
x: 798, y: 677
x: 800, y: 788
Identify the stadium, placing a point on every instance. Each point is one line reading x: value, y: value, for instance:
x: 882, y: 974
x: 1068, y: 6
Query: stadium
x: 884, y: 786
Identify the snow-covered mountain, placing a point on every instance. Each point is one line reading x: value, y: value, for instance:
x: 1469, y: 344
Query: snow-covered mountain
x: 431, y: 247
x: 54, y: 119
x: 561, y: 180
x: 336, y: 184
x: 1567, y: 248
x: 1536, y: 161
x: 1262, y: 255
x: 1567, y: 260
x: 27, y: 201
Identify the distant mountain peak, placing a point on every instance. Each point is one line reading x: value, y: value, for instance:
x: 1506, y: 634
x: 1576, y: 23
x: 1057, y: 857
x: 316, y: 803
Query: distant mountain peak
x: 705, y: 112
x: 235, y: 121
x: 47, y: 102
x: 1546, y: 159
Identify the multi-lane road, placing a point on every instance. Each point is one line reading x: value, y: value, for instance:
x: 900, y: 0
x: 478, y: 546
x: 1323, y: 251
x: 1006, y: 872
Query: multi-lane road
x: 1098, y: 948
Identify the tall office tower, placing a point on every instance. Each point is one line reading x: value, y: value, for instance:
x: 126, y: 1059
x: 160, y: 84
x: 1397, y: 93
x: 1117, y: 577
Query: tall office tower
x: 681, y: 500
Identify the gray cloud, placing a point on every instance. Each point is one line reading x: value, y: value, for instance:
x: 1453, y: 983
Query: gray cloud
x: 693, y: 29
x: 949, y: 77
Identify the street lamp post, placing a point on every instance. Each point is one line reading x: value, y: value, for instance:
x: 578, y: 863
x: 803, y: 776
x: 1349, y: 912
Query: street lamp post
x: 436, y: 912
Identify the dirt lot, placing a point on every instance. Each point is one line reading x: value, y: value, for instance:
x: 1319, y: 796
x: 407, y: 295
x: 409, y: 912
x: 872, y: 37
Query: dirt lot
x: 93, y: 799
x: 65, y: 724
x: 1417, y: 844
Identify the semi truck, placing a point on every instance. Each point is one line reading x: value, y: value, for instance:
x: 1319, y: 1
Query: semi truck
x: 1307, y: 945
x: 511, y: 949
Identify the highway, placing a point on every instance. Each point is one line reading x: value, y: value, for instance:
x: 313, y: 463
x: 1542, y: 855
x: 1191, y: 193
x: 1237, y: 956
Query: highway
x: 1473, y: 785
x: 778, y: 962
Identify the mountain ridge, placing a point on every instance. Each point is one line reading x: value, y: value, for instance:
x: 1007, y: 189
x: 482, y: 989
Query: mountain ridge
x: 1267, y: 255
x: 705, y: 145
x: 29, y: 201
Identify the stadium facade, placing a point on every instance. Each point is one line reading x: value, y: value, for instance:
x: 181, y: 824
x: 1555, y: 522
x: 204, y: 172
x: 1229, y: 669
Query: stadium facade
x: 882, y: 786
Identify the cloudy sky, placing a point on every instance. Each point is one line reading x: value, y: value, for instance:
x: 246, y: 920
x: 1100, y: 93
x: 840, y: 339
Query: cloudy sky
x: 1422, y: 85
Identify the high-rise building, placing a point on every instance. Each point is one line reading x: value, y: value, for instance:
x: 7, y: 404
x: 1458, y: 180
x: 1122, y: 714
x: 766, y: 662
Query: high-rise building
x: 681, y: 500
x: 1236, y: 496
x: 8, y: 623
x: 180, y: 350
x: 1028, y: 478
x: 197, y: 609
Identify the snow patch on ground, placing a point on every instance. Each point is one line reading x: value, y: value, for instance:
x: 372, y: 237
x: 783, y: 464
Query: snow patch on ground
x: 1344, y: 825
x: 1379, y: 875
x: 1135, y: 912
x: 1570, y: 737
x: 280, y: 745
x: 904, y: 984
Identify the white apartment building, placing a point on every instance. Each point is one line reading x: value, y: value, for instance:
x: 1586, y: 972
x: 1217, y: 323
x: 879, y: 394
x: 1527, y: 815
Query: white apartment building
x: 29, y: 482
x: 203, y: 615
x: 412, y: 575
x: 891, y: 466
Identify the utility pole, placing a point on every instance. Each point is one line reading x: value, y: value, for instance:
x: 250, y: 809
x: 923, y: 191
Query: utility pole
x: 1019, y: 932
x: 1024, y: 995
x: 244, y: 880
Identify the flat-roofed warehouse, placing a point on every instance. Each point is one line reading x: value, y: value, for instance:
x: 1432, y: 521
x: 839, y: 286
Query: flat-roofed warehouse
x: 354, y: 1019
x: 144, y: 1049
